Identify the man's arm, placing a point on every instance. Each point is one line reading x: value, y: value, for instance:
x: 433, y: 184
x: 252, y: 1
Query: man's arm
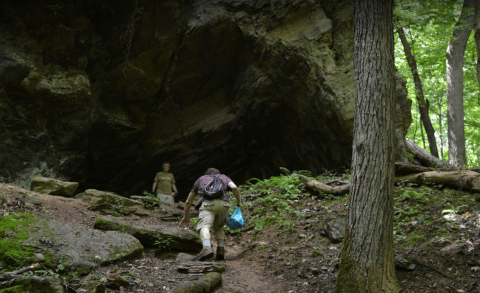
x: 154, y: 186
x: 236, y: 193
x: 174, y: 189
x: 188, y: 204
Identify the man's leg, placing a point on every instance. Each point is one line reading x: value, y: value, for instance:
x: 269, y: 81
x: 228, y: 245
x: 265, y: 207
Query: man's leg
x: 166, y: 199
x: 221, y: 215
x: 205, y: 222
x: 220, y: 236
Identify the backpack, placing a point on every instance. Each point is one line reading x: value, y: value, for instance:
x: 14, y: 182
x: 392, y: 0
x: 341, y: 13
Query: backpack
x: 213, y: 189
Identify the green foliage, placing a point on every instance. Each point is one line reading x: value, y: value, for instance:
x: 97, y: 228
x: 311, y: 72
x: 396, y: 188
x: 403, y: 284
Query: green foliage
x: 165, y: 242
x: 151, y: 202
x: 316, y: 252
x: 428, y: 26
x: 414, y: 239
x: 274, y: 199
x: 289, y: 185
x: 194, y: 223
x: 117, y: 207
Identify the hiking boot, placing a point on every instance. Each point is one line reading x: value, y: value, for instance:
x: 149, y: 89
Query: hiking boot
x: 220, y: 253
x: 206, y: 253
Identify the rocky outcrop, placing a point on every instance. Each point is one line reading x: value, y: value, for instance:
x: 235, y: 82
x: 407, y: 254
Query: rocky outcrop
x: 32, y: 239
x: 102, y: 93
x: 52, y: 186
x: 163, y: 237
x: 97, y: 197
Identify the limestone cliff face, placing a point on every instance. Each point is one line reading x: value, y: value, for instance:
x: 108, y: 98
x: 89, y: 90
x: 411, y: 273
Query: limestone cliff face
x: 103, y: 92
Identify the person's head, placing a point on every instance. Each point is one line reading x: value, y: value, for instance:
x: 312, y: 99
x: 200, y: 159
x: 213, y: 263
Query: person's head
x: 212, y: 171
x: 166, y: 166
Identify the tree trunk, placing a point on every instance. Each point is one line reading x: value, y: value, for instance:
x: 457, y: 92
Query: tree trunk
x: 440, y: 133
x: 476, y: 28
x: 422, y: 156
x: 422, y: 104
x: 367, y: 262
x: 455, y: 53
x: 464, y: 180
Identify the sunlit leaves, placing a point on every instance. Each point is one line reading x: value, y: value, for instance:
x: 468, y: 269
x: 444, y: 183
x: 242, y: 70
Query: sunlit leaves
x: 428, y: 26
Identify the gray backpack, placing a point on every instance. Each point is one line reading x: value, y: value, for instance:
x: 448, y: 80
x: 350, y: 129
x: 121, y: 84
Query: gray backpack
x: 213, y: 189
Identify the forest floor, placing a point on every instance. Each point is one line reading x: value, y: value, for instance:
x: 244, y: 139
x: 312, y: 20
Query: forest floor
x: 437, y: 228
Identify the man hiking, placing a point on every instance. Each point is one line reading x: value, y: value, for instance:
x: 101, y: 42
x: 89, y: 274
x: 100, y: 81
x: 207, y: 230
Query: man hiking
x: 213, y: 204
x: 163, y: 184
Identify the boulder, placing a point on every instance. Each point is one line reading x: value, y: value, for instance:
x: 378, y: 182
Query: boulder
x: 183, y: 257
x: 97, y: 197
x: 205, y: 284
x: 335, y: 230
x: 76, y: 247
x: 153, y: 235
x: 53, y: 186
x: 401, y: 262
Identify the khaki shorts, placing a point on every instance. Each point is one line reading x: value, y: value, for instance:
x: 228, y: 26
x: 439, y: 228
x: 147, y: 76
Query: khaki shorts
x: 166, y: 198
x: 214, y: 214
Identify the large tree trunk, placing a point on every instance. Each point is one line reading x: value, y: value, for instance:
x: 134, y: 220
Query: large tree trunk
x: 367, y: 262
x: 476, y: 28
x: 455, y: 53
x: 464, y: 180
x: 422, y: 104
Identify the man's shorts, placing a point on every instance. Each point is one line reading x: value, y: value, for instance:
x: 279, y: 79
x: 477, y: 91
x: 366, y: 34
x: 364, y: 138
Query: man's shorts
x: 166, y: 199
x: 213, y: 213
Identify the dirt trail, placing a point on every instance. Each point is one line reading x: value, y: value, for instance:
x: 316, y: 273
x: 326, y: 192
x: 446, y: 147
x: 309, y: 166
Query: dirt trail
x: 149, y: 273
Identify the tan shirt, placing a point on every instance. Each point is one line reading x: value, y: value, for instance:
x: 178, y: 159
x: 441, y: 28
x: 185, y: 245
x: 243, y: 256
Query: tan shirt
x: 164, y: 182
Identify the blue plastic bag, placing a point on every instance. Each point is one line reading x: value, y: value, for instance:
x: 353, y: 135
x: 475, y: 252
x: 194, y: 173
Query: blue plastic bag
x: 236, y: 220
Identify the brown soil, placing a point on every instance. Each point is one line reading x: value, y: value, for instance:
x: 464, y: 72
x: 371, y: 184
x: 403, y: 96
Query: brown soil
x: 297, y: 260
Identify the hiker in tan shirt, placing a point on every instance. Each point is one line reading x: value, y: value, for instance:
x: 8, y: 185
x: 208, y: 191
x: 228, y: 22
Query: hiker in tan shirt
x: 163, y: 184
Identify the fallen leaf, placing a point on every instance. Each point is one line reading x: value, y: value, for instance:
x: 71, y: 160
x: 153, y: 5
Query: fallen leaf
x: 460, y: 290
x: 467, y: 214
x: 475, y: 269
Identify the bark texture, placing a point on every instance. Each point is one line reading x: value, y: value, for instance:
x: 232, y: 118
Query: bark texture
x: 367, y: 262
x: 455, y: 53
x: 423, y: 104
x: 476, y: 28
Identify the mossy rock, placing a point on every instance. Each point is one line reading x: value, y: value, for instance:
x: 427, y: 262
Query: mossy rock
x: 75, y: 247
x: 53, y: 186
x: 204, y: 285
x: 170, y: 237
x: 97, y: 197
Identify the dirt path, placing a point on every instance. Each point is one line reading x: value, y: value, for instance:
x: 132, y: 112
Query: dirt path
x: 150, y: 273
